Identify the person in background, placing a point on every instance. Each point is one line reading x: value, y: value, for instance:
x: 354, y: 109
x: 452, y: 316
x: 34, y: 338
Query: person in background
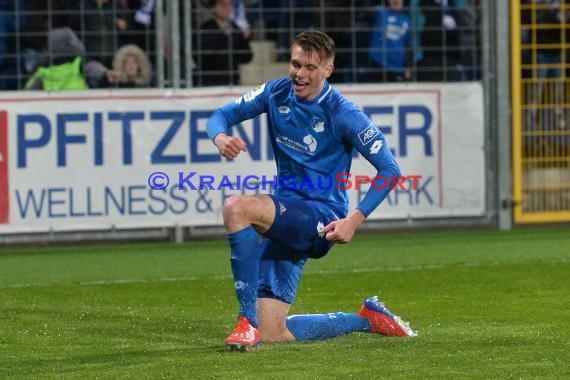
x: 280, y: 20
x: 390, y: 51
x: 335, y: 14
x: 43, y: 16
x: 101, y: 24
x: 468, y: 23
x: 138, y: 28
x: 64, y: 67
x: 439, y: 41
x: 239, y: 17
x: 220, y: 47
x: 131, y: 68
x: 314, y: 132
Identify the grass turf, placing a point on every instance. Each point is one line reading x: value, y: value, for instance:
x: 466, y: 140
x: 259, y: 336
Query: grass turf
x: 487, y: 304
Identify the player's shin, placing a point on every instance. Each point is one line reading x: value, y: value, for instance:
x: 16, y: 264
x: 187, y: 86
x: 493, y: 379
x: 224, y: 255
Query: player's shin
x: 245, y: 251
x: 324, y: 326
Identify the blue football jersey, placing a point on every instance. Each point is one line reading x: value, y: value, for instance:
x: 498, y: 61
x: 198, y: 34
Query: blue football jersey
x: 313, y: 142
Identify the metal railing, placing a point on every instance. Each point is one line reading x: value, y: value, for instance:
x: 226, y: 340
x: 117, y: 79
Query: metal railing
x: 442, y: 44
x: 541, y: 111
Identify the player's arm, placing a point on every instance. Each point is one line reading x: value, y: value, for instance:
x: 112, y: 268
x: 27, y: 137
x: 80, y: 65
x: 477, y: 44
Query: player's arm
x: 371, y: 143
x: 378, y: 153
x: 219, y: 124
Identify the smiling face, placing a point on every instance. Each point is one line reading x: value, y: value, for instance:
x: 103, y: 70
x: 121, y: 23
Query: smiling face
x: 309, y: 68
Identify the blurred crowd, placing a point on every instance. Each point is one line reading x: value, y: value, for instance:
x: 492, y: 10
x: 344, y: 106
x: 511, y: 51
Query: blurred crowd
x: 545, y: 57
x: 78, y: 44
x: 75, y: 44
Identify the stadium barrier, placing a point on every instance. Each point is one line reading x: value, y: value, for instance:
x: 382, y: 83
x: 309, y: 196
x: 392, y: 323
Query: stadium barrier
x: 88, y: 161
x: 541, y: 112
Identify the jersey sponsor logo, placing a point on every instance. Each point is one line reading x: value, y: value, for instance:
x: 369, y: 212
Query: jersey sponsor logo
x: 319, y: 127
x: 368, y: 134
x: 284, y: 109
x: 249, y: 96
x: 308, y: 146
x: 375, y: 148
x: 318, y: 124
x: 311, y: 143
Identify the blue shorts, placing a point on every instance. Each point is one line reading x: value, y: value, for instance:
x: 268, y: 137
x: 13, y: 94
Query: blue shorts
x: 292, y: 238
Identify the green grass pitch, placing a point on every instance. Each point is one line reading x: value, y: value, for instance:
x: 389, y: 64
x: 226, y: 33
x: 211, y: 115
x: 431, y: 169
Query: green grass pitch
x: 487, y: 305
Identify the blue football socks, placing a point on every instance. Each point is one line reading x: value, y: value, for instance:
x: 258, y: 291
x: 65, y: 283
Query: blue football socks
x: 245, y: 251
x: 324, y: 326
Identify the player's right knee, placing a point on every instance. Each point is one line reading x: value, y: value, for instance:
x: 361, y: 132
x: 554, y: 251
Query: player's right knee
x: 234, y: 209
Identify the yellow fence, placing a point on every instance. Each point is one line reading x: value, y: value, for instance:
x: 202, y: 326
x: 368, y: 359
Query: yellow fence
x: 541, y: 111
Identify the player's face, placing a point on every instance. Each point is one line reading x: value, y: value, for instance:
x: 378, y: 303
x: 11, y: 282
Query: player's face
x: 308, y: 72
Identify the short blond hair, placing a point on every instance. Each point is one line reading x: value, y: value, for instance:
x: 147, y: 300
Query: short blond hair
x: 312, y: 40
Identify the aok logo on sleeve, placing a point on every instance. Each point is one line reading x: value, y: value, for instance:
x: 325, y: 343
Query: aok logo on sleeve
x: 4, y: 194
x: 368, y: 134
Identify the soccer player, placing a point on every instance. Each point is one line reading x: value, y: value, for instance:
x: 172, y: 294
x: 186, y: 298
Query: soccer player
x: 313, y: 131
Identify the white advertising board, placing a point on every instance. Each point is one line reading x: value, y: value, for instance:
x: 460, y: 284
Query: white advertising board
x: 84, y: 160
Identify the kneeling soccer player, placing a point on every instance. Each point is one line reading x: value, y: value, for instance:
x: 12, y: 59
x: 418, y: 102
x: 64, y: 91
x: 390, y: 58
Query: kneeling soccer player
x: 314, y: 131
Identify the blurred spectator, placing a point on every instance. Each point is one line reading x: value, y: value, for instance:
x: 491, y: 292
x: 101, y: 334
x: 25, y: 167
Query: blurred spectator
x: 272, y: 21
x: 45, y: 15
x: 361, y: 36
x: 131, y: 68
x: 278, y: 25
x: 102, y: 22
x: 468, y: 65
x: 220, y: 47
x: 390, y: 50
x: 239, y: 17
x: 280, y: 20
x: 64, y: 71
x: 12, y: 20
x: 139, y: 23
x: 335, y: 14
x: 304, y: 16
x: 439, y: 41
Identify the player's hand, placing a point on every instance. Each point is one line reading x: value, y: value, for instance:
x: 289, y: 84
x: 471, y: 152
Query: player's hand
x: 229, y: 146
x: 342, y: 230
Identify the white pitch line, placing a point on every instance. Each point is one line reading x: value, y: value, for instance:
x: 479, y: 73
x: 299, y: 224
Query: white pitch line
x: 319, y: 272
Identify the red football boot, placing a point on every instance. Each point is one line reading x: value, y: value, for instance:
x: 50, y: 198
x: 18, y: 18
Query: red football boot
x: 244, y: 338
x: 382, y: 321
